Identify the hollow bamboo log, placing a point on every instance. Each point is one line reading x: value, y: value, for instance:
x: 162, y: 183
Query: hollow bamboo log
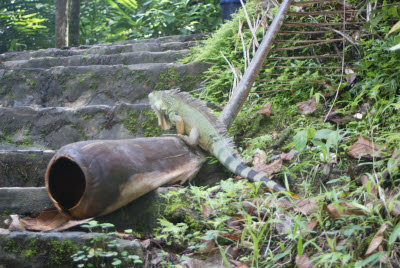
x: 92, y: 178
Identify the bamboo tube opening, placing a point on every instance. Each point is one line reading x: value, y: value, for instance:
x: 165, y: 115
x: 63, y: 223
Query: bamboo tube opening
x: 66, y: 182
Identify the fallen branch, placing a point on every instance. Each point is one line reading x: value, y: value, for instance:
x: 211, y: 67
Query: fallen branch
x: 241, y: 92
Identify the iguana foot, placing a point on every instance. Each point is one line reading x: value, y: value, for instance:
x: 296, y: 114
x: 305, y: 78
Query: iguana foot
x: 184, y: 138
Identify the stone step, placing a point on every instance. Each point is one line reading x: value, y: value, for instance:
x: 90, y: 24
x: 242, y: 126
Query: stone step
x: 23, y: 168
x: 54, y: 249
x: 75, y: 86
x: 128, y: 58
x: 24, y: 200
x: 160, y: 44
x: 53, y: 127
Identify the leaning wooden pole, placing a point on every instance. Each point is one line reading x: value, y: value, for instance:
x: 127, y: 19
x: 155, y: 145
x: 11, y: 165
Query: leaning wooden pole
x: 241, y: 92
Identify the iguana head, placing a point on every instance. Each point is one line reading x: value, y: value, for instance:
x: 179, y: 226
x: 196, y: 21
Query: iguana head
x: 160, y: 107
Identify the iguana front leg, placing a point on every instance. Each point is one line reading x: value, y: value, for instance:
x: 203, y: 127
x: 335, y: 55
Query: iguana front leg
x: 180, y: 126
x: 191, y: 140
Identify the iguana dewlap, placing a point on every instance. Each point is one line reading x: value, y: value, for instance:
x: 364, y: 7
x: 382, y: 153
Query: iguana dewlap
x: 191, y: 116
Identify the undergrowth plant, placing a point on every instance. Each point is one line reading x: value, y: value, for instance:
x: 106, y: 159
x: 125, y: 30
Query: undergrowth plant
x: 103, y: 249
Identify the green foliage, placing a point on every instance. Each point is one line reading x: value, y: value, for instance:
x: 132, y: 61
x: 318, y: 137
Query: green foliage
x: 115, y: 20
x: 30, y: 24
x: 103, y: 249
x: 224, y: 43
x: 22, y: 25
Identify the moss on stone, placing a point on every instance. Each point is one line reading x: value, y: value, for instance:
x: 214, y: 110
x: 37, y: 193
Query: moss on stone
x: 61, y: 252
x: 93, y: 86
x: 150, y: 125
x: 171, y: 78
x: 88, y: 116
x: 130, y: 122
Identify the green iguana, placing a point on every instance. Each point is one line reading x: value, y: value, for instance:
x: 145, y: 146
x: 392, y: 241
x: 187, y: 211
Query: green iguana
x: 191, y: 116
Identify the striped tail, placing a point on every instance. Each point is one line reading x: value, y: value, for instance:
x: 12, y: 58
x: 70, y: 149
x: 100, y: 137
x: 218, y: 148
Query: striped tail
x: 239, y: 168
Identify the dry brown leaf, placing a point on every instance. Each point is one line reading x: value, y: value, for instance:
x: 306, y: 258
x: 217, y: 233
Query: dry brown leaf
x: 306, y: 206
x: 51, y: 219
x: 275, y: 166
x: 303, y: 262
x: 365, y: 179
x: 266, y: 109
x: 239, y: 264
x: 205, y: 210
x: 274, y: 134
x: 17, y: 224
x: 146, y: 243
x: 233, y: 237
x: 376, y: 240
x: 351, y: 76
x: 312, y: 225
x: 364, y: 148
x: 259, y: 157
x: 307, y: 107
x: 287, y: 156
x: 344, y: 208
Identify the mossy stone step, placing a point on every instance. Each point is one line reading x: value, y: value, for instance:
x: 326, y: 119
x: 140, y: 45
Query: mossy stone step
x: 53, y: 127
x: 23, y: 168
x: 160, y: 44
x: 54, y: 249
x: 96, y: 84
x: 99, y: 59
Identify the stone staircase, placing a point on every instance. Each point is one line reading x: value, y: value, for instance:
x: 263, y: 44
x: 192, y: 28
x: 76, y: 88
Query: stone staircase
x: 53, y: 97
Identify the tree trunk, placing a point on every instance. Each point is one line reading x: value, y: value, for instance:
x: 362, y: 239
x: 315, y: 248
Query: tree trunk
x: 61, y: 23
x: 74, y: 16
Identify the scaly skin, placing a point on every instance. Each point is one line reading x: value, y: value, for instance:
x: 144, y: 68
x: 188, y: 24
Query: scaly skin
x: 192, y: 117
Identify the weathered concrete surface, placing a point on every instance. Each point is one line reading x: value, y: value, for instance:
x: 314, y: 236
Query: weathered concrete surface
x: 23, y: 168
x: 31, y: 250
x: 54, y: 127
x: 159, y: 44
x: 96, y: 84
x: 98, y: 59
x: 23, y: 200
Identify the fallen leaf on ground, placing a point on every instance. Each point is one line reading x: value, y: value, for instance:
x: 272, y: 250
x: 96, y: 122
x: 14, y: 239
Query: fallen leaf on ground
x: 274, y: 134
x: 306, y: 206
x: 275, y: 166
x: 351, y: 76
x: 205, y: 210
x: 259, y: 157
x: 311, y: 226
x: 285, y: 224
x: 16, y: 225
x: 307, y: 107
x: 344, y: 208
x: 303, y: 262
x: 146, y: 243
x: 51, y: 220
x: 365, y: 179
x: 239, y: 264
x: 233, y: 237
x: 364, y: 148
x: 266, y: 109
x: 376, y: 240
x: 287, y: 156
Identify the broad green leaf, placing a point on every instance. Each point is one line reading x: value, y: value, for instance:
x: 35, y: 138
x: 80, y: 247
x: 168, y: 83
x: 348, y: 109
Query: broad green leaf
x: 394, y: 235
x: 322, y: 134
x: 300, y: 140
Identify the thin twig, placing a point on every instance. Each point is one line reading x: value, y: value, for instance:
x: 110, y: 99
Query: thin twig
x: 252, y: 30
x: 342, y: 72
